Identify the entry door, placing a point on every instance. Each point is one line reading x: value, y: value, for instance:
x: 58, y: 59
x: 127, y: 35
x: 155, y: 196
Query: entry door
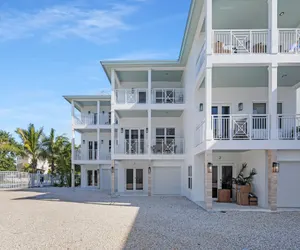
x: 93, y: 178
x: 134, y: 179
x: 93, y: 147
x: 134, y: 141
x: 221, y: 179
x: 221, y: 121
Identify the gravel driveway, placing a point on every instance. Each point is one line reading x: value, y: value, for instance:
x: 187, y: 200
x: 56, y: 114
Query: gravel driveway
x: 58, y: 218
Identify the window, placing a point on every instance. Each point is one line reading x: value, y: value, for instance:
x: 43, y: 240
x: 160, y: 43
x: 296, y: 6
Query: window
x: 259, y: 121
x: 190, y: 177
x: 279, y: 112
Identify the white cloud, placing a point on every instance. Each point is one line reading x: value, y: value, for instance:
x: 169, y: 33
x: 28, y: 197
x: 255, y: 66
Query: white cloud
x: 63, y: 21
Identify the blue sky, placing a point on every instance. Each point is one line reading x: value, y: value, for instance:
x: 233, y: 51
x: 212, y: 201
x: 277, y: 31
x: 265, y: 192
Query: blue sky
x: 50, y: 48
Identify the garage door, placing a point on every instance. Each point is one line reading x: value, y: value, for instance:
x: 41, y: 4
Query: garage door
x: 288, y: 194
x: 106, y: 180
x: 167, y: 180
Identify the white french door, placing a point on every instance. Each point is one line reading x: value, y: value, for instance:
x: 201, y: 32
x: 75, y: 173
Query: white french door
x: 92, y: 150
x: 135, y: 141
x: 93, y: 178
x: 221, y: 121
x: 134, y: 179
x: 221, y: 178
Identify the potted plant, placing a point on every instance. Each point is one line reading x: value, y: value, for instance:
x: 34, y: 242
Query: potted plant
x: 243, y: 185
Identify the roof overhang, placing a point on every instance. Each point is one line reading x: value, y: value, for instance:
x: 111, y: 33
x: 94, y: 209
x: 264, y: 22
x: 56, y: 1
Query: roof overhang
x: 188, y: 38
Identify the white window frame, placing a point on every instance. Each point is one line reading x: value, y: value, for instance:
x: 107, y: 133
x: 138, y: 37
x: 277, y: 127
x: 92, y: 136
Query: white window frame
x: 190, y: 177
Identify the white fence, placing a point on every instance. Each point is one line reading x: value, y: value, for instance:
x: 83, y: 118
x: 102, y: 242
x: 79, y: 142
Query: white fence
x: 289, y: 42
x: 240, y: 41
x: 15, y: 179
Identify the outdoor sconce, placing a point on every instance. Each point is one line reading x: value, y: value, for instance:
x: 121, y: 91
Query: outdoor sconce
x: 149, y: 170
x: 101, y: 141
x: 201, y: 107
x: 83, y: 141
x: 122, y: 130
x: 240, y: 106
x: 103, y: 112
x: 209, y: 167
x: 112, y: 170
x: 147, y: 130
x: 275, y: 167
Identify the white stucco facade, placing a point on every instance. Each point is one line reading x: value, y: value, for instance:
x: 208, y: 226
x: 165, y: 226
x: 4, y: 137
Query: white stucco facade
x: 231, y: 98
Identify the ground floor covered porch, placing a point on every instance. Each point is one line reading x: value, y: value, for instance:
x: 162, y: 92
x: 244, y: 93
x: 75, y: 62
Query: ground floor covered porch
x: 274, y: 185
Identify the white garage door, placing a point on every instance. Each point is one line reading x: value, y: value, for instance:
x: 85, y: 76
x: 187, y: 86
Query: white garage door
x: 288, y: 194
x: 166, y: 180
x: 106, y: 180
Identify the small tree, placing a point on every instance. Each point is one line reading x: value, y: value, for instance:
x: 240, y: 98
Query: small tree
x: 241, y: 179
x: 31, y: 138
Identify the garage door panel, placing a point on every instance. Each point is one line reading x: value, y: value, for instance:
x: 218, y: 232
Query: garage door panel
x: 288, y: 194
x: 106, y: 180
x: 167, y: 181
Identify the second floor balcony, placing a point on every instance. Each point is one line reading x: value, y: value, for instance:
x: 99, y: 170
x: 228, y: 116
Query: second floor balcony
x: 90, y: 155
x: 167, y: 146
x: 158, y: 96
x: 250, y: 127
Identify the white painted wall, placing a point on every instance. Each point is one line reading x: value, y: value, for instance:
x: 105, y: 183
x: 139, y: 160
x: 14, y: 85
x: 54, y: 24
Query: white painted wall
x: 104, y: 110
x: 258, y: 159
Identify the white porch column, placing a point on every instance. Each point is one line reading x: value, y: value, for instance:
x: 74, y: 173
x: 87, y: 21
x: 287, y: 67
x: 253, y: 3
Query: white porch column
x: 112, y: 113
x: 73, y: 132
x: 149, y: 86
x: 149, y: 132
x: 73, y: 176
x: 98, y: 112
x: 113, y: 169
x: 208, y: 102
x: 208, y: 28
x: 272, y: 102
x: 99, y: 144
x: 273, y: 28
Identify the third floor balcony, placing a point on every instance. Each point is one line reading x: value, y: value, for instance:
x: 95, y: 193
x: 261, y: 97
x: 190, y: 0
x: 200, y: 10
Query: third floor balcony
x: 157, y: 96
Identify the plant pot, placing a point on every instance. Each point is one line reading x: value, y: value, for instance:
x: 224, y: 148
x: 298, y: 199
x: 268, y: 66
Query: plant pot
x: 223, y: 195
x: 242, y: 194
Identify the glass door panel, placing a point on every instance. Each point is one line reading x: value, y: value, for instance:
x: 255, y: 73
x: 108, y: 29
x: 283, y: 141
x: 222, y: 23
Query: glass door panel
x: 90, y: 150
x: 225, y: 122
x: 129, y: 179
x: 215, y: 181
x: 227, y: 178
x: 90, y: 177
x: 139, y: 179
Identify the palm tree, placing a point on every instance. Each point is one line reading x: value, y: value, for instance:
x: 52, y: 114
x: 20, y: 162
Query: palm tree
x: 51, y: 146
x: 31, y: 138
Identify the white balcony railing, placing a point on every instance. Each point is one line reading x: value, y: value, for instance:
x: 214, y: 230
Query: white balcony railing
x: 168, y: 95
x: 131, y: 96
x: 167, y: 146
x: 132, y: 147
x: 85, y: 119
x: 200, y: 133
x: 288, y: 127
x: 240, y: 41
x: 90, y: 155
x: 289, y: 41
x: 240, y: 127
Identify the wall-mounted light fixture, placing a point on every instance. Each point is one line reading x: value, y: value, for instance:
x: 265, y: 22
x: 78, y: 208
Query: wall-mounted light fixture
x: 112, y: 170
x: 149, y: 170
x: 122, y: 130
x: 275, y: 167
x: 201, y: 107
x: 281, y: 13
x: 209, y: 167
x: 83, y: 142
x: 240, y: 106
x: 147, y: 130
x: 102, y: 141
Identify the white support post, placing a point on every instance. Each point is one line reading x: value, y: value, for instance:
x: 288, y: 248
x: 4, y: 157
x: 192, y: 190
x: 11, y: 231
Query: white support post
x: 208, y: 103
x: 149, y: 86
x: 208, y: 23
x: 73, y: 176
x: 272, y: 104
x: 112, y: 116
x: 73, y: 133
x: 98, y: 112
x: 99, y: 144
x: 273, y: 27
x: 149, y: 132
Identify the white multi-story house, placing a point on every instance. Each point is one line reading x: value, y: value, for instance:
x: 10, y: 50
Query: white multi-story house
x: 182, y: 127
